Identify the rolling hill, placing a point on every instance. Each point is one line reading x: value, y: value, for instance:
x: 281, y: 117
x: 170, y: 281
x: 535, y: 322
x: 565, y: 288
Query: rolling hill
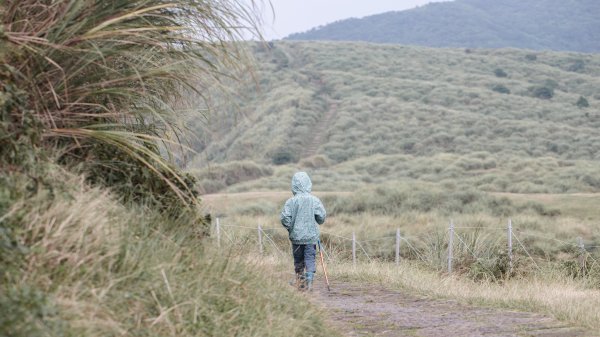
x: 533, y: 24
x: 358, y: 113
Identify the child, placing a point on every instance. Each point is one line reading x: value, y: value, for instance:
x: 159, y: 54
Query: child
x: 300, y: 216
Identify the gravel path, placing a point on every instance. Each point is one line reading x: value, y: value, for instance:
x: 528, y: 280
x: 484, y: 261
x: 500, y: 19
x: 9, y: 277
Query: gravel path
x: 375, y: 311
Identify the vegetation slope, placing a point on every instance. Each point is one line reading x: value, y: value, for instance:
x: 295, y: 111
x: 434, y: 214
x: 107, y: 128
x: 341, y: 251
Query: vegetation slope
x: 355, y: 114
x: 534, y: 24
x: 100, y: 231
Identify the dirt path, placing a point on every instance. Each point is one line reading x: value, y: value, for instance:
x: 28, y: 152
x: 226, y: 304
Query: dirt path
x: 375, y: 311
x: 320, y: 132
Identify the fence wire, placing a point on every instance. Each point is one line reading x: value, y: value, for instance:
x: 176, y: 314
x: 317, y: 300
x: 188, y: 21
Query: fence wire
x: 420, y: 237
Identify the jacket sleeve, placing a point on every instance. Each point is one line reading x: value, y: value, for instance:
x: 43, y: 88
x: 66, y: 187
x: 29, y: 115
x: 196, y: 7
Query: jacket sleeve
x: 286, y: 215
x: 320, y: 213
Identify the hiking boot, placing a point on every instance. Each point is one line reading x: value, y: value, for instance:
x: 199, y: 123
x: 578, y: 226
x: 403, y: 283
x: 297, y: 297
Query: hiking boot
x: 298, y: 282
x: 309, y: 276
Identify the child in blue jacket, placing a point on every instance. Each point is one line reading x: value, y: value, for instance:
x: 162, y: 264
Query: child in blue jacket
x: 301, y: 216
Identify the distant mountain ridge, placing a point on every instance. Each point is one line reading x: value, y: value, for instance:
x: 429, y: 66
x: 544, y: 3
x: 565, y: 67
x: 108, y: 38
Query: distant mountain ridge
x: 532, y: 24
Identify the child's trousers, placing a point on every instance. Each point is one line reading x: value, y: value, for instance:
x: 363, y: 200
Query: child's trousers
x: 304, y: 258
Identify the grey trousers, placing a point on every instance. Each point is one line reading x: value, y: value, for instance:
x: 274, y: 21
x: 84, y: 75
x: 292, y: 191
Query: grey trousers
x: 304, y: 258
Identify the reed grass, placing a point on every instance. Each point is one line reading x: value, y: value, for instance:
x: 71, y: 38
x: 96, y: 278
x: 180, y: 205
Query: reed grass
x: 95, y: 267
x: 115, y: 78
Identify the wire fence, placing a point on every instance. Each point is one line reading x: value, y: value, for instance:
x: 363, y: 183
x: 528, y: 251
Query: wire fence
x: 408, y: 244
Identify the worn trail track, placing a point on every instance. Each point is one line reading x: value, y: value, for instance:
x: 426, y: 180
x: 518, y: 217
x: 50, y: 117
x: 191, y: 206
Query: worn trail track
x: 375, y: 311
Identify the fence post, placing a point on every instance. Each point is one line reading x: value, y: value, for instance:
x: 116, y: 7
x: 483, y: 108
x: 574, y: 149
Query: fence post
x: 450, y: 244
x: 397, y: 246
x: 260, y: 244
x: 353, y: 248
x: 510, y: 250
x: 581, y: 254
x: 218, y: 228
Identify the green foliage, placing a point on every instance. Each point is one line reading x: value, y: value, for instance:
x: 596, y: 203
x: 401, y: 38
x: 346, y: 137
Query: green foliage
x: 500, y: 73
x: 27, y: 312
x: 155, y: 274
x: 399, y: 199
x: 499, y: 88
x: 577, y: 66
x: 20, y: 129
x: 282, y: 157
x: 393, y: 101
x: 531, y: 57
x: 582, y: 102
x: 98, y: 79
x: 542, y: 92
x: 540, y: 24
x: 219, y: 176
x: 492, y: 268
x: 100, y: 88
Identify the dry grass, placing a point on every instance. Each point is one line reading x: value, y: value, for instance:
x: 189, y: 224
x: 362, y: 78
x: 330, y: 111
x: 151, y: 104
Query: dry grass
x: 551, y: 241
x: 548, y: 291
x: 105, y: 269
x: 566, y: 299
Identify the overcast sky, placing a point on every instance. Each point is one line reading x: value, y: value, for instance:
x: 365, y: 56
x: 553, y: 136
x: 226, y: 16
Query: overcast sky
x: 292, y: 16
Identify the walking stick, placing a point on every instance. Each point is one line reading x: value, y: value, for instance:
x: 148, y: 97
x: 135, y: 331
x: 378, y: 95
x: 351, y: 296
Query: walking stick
x: 323, y: 264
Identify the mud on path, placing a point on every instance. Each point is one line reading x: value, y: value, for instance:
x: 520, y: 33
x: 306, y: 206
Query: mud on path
x: 374, y: 311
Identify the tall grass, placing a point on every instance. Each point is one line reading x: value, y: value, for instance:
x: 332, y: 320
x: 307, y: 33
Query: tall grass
x: 104, y: 79
x: 551, y: 289
x: 97, y: 268
x: 99, y: 88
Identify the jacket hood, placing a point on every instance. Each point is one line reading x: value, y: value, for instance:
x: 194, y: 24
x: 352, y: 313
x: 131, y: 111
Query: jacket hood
x: 301, y: 183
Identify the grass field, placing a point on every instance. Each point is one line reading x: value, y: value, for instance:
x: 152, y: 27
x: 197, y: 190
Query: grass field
x: 550, y: 282
x: 381, y: 113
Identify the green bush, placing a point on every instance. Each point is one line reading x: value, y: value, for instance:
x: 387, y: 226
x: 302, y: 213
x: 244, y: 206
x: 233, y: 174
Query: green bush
x: 493, y: 268
x: 576, y: 66
x: 27, y: 312
x: 582, y: 102
x: 541, y: 92
x: 501, y: 89
x: 219, y: 176
x: 531, y: 57
x: 108, y: 95
x: 500, y: 73
x: 282, y: 157
x: 398, y: 199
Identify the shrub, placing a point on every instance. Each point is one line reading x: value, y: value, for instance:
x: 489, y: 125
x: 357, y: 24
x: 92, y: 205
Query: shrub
x: 500, y: 73
x: 582, y: 102
x: 282, y: 157
x: 495, y: 267
x: 218, y: 177
x: 315, y: 162
x: 576, y: 66
x: 541, y: 92
x: 501, y: 89
x: 531, y: 57
x: 99, y: 80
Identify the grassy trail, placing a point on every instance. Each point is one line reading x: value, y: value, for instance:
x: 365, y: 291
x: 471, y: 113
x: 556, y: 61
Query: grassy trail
x: 319, y: 134
x: 371, y: 310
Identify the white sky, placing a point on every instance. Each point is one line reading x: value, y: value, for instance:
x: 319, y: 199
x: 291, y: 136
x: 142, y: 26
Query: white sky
x: 292, y: 16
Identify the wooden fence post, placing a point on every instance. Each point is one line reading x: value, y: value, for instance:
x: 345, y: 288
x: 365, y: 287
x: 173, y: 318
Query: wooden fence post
x: 450, y: 244
x: 218, y: 228
x: 397, y: 246
x: 260, y: 244
x: 510, y: 249
x: 582, y: 252
x: 353, y: 248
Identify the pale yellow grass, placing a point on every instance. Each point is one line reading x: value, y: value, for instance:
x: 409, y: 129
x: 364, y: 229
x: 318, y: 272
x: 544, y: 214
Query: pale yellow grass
x: 74, y: 238
x: 566, y: 299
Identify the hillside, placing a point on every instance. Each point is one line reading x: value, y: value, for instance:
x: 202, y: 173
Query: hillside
x: 383, y: 112
x: 533, y: 24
